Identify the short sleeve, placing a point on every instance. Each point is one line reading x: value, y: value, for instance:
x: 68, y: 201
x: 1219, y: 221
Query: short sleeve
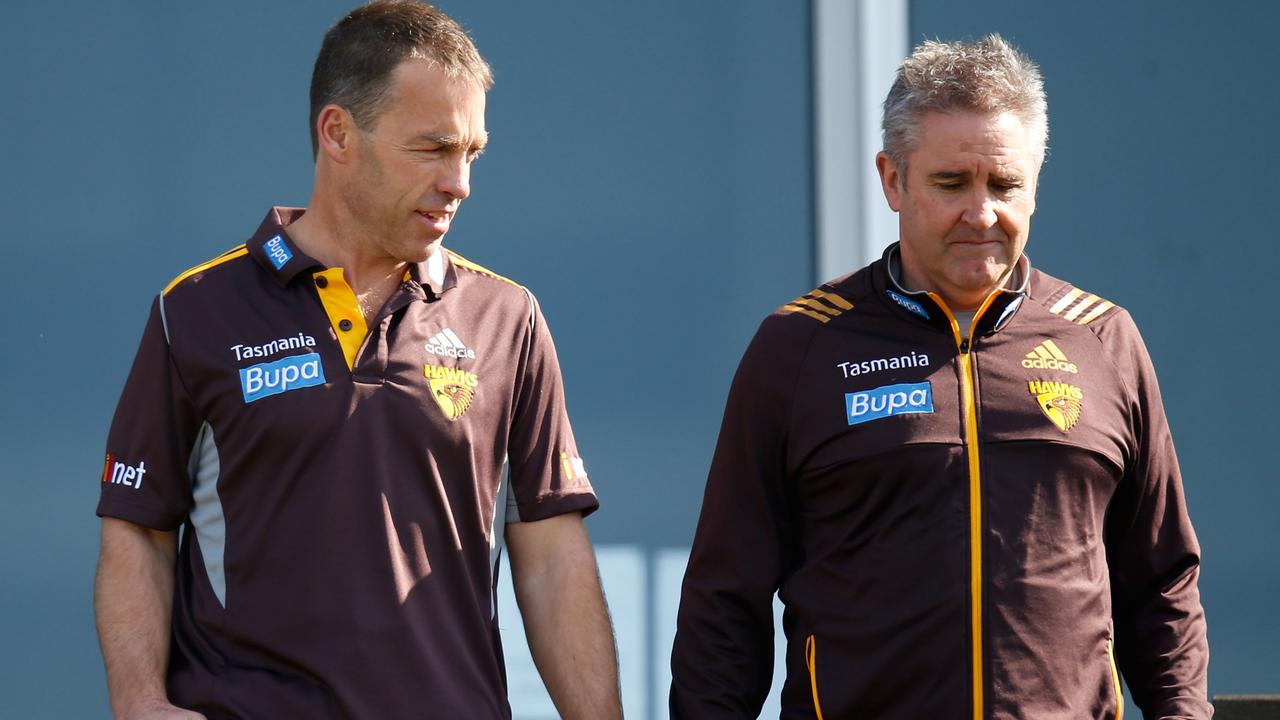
x: 548, y: 476
x: 144, y: 475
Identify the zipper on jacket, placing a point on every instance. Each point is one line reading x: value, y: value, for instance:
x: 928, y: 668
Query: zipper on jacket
x: 811, y: 662
x: 969, y: 407
x: 1115, y: 679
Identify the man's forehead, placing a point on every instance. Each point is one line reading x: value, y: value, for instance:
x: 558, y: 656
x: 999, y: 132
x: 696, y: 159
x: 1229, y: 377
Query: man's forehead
x: 422, y: 69
x: 966, y: 138
x: 426, y: 101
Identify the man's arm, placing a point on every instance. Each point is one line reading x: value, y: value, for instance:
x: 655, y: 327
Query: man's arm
x: 558, y: 588
x: 1161, y: 642
x: 722, y: 655
x: 133, y: 600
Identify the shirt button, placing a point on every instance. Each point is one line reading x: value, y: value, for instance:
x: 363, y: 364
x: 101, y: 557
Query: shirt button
x: 344, y: 325
x: 322, y: 281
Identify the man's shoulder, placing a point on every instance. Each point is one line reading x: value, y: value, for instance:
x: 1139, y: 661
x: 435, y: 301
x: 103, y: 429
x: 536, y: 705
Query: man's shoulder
x: 1072, y: 304
x: 789, y: 329
x: 492, y: 283
x: 1081, y: 310
x: 192, y: 280
x: 834, y: 300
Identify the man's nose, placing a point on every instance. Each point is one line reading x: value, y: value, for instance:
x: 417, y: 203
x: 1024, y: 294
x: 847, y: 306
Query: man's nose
x: 456, y: 179
x: 980, y: 212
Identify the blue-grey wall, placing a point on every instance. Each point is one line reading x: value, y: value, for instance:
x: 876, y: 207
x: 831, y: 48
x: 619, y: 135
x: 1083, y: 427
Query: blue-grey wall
x: 1159, y: 194
x: 648, y: 177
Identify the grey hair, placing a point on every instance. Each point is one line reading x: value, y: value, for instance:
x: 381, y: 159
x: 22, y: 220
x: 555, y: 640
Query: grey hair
x: 987, y: 76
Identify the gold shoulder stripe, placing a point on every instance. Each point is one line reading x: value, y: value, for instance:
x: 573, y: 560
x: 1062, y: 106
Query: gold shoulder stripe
x: 832, y: 298
x: 804, y: 311
x: 468, y: 265
x: 232, y: 254
x: 1096, y: 312
x: 1080, y: 307
x: 819, y: 305
x: 1065, y: 301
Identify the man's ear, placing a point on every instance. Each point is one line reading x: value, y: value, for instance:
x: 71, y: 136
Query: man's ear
x: 891, y: 180
x: 336, y: 133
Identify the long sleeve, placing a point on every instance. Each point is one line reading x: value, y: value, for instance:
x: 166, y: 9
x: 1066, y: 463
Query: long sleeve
x: 1161, y: 642
x: 723, y: 652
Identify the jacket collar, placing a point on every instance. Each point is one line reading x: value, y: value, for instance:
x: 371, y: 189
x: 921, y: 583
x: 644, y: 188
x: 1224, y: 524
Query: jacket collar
x: 929, y: 308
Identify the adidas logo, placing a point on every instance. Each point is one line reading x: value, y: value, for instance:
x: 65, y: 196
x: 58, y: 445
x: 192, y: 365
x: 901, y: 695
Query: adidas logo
x: 448, y: 344
x: 1047, y: 356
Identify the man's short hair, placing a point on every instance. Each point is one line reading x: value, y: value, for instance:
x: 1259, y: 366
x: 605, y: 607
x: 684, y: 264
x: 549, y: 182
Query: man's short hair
x: 360, y: 53
x: 987, y: 76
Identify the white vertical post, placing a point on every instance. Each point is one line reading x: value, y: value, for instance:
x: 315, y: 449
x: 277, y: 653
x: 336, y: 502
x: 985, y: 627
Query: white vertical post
x: 857, y: 45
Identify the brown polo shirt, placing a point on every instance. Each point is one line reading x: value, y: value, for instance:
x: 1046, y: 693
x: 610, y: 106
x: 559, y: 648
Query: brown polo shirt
x: 342, y: 487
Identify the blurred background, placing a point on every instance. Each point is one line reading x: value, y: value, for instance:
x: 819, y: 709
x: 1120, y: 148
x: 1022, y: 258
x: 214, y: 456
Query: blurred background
x: 661, y: 175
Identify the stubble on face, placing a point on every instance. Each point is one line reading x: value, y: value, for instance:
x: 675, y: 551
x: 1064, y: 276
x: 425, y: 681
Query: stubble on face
x: 965, y: 206
x: 413, y: 164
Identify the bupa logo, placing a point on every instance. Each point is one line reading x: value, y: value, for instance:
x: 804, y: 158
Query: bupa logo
x: 278, y: 252
x: 882, y: 402
x: 292, y: 373
x: 118, y: 472
x: 907, y: 303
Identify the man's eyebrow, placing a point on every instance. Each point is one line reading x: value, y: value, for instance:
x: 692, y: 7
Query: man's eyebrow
x: 950, y: 175
x: 449, y: 141
x: 1010, y: 178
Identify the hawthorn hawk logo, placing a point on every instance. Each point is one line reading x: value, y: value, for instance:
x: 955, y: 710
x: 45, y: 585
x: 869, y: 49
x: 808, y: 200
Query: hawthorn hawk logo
x: 1060, y: 402
x: 451, y: 388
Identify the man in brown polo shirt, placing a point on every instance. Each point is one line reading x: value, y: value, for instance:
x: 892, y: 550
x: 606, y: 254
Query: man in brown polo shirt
x: 954, y: 469
x: 346, y: 421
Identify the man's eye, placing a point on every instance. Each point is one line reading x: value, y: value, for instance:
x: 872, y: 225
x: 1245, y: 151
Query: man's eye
x: 951, y: 186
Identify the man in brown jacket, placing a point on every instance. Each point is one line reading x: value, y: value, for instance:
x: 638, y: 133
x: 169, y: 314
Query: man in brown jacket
x: 954, y: 469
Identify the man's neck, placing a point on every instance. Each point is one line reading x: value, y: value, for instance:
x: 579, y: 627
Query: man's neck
x: 1011, y: 280
x: 336, y: 241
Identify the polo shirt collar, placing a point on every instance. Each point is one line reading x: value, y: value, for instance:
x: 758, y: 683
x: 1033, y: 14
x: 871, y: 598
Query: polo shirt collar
x: 420, y: 274
x: 272, y: 247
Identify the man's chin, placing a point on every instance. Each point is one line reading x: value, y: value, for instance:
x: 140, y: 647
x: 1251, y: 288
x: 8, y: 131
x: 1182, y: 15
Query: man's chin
x: 420, y: 252
x: 979, y: 283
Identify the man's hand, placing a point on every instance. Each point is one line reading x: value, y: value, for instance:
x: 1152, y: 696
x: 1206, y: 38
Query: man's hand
x: 558, y: 588
x: 133, y: 602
